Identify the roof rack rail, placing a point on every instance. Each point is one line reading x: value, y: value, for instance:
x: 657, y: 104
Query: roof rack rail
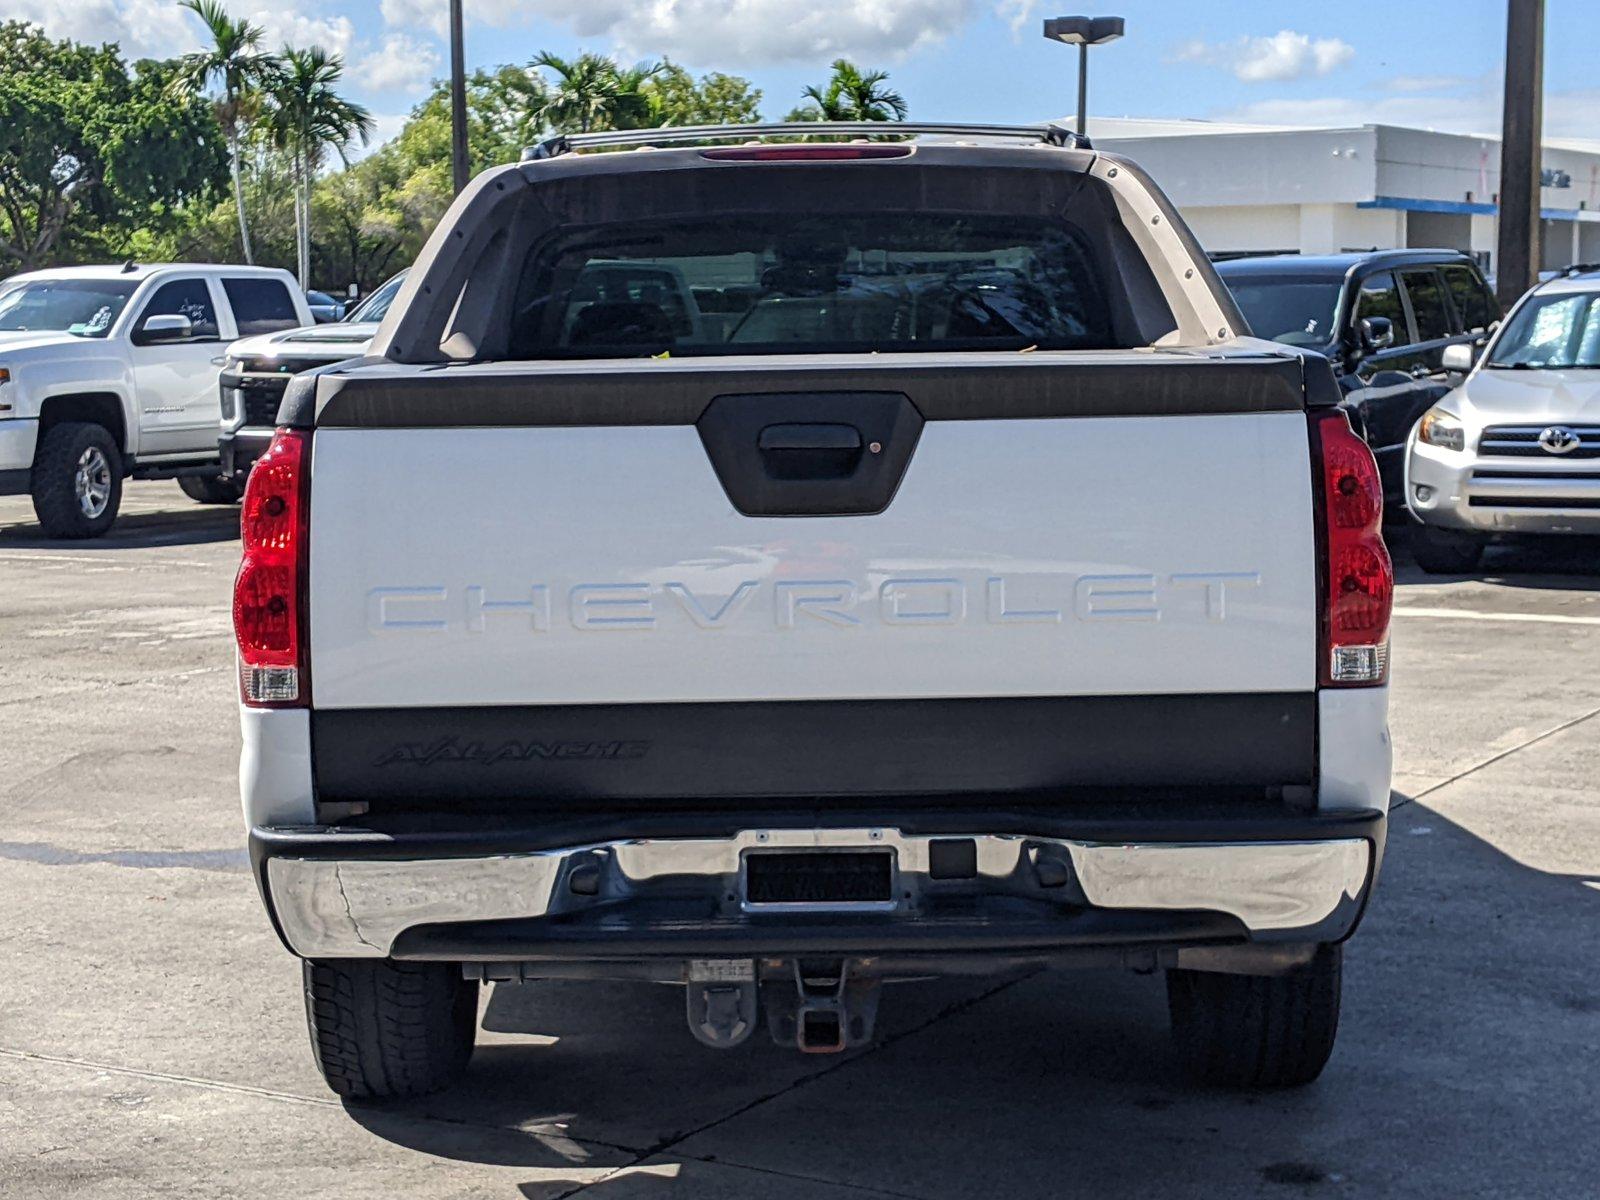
x: 565, y: 143
x: 1577, y: 269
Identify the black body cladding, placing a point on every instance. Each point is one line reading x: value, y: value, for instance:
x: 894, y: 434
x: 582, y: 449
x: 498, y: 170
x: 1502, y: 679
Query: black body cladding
x: 605, y: 757
x: 971, y: 387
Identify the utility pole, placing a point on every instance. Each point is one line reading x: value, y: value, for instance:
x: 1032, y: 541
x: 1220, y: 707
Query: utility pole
x: 1521, y: 136
x: 459, y: 169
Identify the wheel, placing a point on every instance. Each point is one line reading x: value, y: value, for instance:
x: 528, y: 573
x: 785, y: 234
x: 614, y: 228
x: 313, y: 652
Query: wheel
x: 77, y: 480
x: 1446, y: 551
x: 383, y: 1030
x: 210, y: 490
x: 1256, y: 1031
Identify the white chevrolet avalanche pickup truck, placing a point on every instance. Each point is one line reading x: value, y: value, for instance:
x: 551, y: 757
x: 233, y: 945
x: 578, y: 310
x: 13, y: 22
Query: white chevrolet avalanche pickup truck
x: 108, y: 373
x: 960, y: 590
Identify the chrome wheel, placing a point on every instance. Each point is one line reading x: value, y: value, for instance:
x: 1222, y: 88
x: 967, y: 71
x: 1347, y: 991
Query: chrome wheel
x: 91, y: 483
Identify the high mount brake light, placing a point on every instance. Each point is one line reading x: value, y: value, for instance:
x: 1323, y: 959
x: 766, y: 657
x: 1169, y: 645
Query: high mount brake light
x: 1356, y: 576
x: 269, y: 592
x: 805, y: 152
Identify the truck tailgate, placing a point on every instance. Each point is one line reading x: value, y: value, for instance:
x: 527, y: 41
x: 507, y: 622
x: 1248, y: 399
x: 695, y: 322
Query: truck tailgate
x: 540, y: 594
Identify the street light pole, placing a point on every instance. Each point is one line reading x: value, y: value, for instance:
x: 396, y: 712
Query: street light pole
x: 458, y: 100
x: 1520, y: 138
x: 1083, y: 32
x: 1083, y: 87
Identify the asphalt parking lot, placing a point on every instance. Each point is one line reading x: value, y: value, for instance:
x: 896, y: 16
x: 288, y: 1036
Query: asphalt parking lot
x: 152, y: 1038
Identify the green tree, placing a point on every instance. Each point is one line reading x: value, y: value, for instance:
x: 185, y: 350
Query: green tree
x: 88, y: 149
x: 308, y: 118
x: 677, y: 98
x: 380, y: 211
x: 236, y: 63
x: 851, y: 94
x: 591, y: 92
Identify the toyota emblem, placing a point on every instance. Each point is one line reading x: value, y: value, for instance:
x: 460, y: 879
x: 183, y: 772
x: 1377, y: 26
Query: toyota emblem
x: 1558, y: 439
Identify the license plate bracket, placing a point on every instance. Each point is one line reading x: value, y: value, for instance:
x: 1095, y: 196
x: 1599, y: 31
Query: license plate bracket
x: 843, y: 878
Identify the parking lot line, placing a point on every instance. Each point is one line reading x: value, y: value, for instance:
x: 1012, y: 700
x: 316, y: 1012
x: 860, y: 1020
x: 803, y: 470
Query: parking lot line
x: 103, y: 560
x: 1462, y: 614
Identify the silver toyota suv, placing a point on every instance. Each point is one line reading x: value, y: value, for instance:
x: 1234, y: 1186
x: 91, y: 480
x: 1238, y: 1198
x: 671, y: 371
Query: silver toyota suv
x: 1516, y: 448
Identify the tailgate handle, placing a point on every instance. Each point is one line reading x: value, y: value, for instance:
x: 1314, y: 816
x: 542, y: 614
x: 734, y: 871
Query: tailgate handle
x: 809, y: 450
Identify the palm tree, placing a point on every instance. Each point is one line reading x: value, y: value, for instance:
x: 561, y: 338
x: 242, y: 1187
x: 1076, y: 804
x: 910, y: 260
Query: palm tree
x: 591, y: 92
x: 235, y: 61
x: 851, y: 94
x: 308, y: 118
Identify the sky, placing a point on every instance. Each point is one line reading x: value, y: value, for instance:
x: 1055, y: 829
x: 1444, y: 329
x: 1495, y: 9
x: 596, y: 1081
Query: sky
x: 1429, y: 63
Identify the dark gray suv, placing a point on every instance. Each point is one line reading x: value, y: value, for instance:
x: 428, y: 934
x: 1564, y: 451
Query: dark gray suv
x: 1383, y: 317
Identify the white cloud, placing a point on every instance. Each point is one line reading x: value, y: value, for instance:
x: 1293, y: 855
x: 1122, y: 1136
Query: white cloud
x: 1427, y: 83
x: 144, y: 28
x: 1284, y: 56
x: 160, y: 28
x: 286, y: 25
x: 726, y: 33
x: 423, y: 14
x: 401, y: 63
x: 1016, y: 13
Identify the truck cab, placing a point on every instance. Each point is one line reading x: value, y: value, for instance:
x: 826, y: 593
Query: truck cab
x: 108, y: 373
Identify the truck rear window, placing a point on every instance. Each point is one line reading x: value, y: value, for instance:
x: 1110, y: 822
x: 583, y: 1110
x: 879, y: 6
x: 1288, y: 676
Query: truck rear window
x: 777, y: 285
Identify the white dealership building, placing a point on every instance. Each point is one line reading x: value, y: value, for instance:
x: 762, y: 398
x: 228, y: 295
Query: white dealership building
x: 1251, y: 189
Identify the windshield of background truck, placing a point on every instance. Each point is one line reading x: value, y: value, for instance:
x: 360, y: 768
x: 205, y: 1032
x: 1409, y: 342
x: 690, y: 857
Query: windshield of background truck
x: 1294, y: 310
x: 376, y: 306
x: 81, y: 307
x: 1559, y: 332
x: 851, y: 283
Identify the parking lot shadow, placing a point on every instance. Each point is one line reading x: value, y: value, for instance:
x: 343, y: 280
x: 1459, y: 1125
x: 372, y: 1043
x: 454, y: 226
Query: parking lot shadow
x: 195, y: 525
x: 1559, y: 563
x: 1465, y: 1066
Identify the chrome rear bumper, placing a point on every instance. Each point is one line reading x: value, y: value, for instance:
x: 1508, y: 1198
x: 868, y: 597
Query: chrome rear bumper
x: 328, y: 906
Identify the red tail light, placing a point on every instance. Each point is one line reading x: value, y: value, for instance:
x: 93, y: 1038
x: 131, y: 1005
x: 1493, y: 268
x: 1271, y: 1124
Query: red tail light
x: 1357, y: 576
x: 269, y: 593
x: 807, y: 152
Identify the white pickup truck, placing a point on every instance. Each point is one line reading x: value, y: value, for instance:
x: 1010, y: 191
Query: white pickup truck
x: 108, y: 373
x: 258, y: 369
x: 972, y: 595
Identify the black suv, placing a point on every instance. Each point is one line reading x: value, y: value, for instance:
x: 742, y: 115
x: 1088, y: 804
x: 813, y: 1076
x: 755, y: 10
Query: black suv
x: 1383, y: 317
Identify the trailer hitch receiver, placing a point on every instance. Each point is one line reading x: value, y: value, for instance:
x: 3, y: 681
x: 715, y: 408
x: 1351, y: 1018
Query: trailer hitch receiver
x: 827, y: 1008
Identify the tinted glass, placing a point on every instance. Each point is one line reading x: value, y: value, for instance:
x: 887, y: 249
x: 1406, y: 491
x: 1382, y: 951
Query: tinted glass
x: 1428, y: 304
x: 84, y: 307
x: 1380, y: 297
x: 1295, y: 310
x: 1475, y: 306
x: 1553, y: 332
x: 183, y: 298
x: 260, y: 305
x: 376, y: 306
x: 772, y: 284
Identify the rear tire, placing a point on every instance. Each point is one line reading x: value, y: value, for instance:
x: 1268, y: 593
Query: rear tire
x: 209, y: 490
x: 77, y: 480
x: 1257, y: 1031
x: 1446, y: 551
x: 384, y: 1030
